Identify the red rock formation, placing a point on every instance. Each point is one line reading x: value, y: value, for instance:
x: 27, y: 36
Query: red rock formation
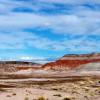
x: 72, y: 61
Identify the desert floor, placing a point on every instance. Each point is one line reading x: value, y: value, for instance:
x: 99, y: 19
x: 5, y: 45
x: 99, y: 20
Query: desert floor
x: 77, y: 88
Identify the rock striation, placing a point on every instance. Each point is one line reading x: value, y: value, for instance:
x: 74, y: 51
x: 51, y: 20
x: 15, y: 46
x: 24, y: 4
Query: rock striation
x: 73, y: 61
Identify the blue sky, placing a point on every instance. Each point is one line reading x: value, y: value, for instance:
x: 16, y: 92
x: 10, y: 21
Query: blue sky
x: 31, y: 29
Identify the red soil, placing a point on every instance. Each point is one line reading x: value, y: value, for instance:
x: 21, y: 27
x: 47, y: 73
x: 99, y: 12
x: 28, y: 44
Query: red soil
x: 74, y: 62
x: 26, y: 68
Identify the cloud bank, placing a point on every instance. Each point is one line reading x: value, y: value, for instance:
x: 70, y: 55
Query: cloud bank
x: 76, y: 21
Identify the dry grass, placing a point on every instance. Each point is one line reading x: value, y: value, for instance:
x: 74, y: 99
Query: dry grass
x: 14, y: 94
x: 58, y: 95
x: 67, y: 98
x: 26, y: 98
x: 41, y: 98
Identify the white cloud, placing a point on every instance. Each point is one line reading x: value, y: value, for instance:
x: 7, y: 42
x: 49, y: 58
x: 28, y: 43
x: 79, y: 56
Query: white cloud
x: 31, y: 58
x: 73, y: 2
x: 67, y: 24
x: 81, y: 21
x: 26, y: 40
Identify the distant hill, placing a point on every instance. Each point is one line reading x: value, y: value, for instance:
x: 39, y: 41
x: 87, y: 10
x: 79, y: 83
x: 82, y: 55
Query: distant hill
x: 72, y: 61
x: 17, y: 62
x: 13, y: 66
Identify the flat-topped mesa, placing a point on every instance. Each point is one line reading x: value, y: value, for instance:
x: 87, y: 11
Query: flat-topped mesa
x: 81, y: 56
x: 69, y: 62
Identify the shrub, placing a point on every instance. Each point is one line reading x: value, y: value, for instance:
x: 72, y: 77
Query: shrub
x: 41, y: 98
x: 8, y: 95
x: 58, y: 95
x: 55, y: 89
x: 14, y: 94
x: 26, y: 98
x: 67, y: 98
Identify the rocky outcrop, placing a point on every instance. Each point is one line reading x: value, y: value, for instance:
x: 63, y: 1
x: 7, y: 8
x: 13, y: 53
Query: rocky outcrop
x: 72, y: 61
x: 4, y: 68
x: 21, y: 65
x: 13, y: 66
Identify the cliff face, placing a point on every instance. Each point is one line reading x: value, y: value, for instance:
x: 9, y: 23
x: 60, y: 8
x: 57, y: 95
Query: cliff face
x: 68, y: 62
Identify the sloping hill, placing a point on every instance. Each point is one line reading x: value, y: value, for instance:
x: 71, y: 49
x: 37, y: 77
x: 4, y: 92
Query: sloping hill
x: 89, y: 67
x: 69, y: 62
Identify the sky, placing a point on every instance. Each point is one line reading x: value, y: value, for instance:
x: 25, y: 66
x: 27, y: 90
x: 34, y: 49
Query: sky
x: 40, y: 29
